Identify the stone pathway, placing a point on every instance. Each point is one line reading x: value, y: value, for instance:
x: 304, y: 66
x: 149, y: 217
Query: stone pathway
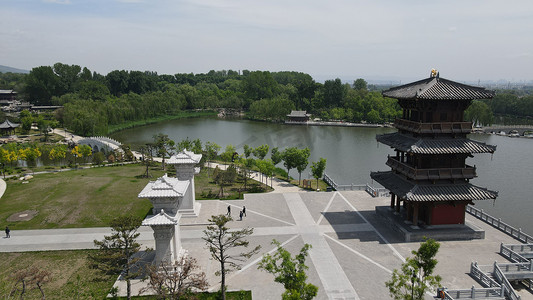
x: 334, y: 280
x: 353, y: 252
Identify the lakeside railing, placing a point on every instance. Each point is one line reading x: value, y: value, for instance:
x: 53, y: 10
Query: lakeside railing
x: 374, y: 192
x: 516, y: 233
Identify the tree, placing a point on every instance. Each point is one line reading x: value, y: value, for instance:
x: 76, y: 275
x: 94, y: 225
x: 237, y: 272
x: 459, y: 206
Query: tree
x: 29, y: 276
x: 290, y: 158
x: 27, y: 120
x: 229, y: 153
x: 164, y: 146
x: 116, y: 251
x: 479, y: 113
x: 248, y: 164
x: 211, y: 151
x: 290, y: 272
x: 247, y: 150
x: 302, y: 162
x: 360, y: 84
x: 176, y: 280
x: 85, y: 151
x: 147, y: 157
x: 98, y: 158
x: 275, y: 155
x: 416, y: 274
x: 261, y: 151
x: 226, y: 177
x: 221, y: 241
x: 318, y: 168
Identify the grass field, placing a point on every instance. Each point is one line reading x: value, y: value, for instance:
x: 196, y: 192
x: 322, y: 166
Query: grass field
x: 71, y: 277
x: 80, y: 198
x: 92, y: 197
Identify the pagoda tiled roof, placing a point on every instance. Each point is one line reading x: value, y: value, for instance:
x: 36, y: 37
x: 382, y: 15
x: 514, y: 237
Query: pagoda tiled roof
x: 160, y: 219
x: 185, y: 157
x: 436, y: 88
x: 8, y: 125
x: 445, y: 145
x: 431, y: 192
x: 164, y: 187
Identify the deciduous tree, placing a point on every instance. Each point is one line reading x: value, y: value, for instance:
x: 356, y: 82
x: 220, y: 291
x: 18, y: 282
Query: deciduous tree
x: 416, y: 274
x: 290, y: 272
x: 176, y: 280
x: 318, y: 168
x: 222, y: 242
x: 117, y: 251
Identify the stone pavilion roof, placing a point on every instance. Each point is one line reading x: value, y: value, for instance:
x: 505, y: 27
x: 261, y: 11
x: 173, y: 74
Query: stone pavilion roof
x: 164, y: 187
x: 8, y: 125
x: 160, y: 219
x: 185, y: 157
x: 436, y: 88
x: 431, y: 192
x: 417, y: 145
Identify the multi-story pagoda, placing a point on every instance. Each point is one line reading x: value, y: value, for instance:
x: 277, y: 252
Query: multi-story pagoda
x: 429, y: 173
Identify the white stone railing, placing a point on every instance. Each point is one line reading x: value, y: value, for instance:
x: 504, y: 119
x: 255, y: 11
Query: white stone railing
x: 516, y: 233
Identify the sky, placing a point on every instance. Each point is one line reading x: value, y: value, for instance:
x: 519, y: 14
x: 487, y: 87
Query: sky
x: 465, y: 40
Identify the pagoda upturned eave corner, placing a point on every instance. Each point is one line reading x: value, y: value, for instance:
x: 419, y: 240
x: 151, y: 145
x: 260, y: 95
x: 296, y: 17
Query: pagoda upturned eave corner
x: 429, y: 177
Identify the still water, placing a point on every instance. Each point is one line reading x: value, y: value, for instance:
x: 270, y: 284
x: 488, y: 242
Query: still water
x: 352, y: 153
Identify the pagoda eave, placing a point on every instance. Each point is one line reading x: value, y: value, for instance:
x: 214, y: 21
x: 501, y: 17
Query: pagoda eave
x: 410, y: 191
x: 420, y: 145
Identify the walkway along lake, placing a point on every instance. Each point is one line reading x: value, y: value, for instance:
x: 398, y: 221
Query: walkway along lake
x: 352, y: 152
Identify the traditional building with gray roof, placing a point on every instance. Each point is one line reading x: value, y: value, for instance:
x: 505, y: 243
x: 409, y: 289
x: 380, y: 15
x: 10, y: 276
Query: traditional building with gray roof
x: 429, y: 173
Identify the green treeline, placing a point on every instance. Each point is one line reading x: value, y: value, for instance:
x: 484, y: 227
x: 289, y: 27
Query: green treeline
x: 94, y: 103
x: 517, y: 107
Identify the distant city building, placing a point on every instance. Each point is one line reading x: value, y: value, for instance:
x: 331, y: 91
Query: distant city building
x: 428, y: 174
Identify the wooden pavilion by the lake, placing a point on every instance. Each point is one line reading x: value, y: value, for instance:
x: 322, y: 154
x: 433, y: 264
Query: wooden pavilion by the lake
x: 429, y: 177
x: 8, y: 127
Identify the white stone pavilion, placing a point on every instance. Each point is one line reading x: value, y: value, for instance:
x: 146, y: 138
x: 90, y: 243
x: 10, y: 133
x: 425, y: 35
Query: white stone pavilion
x: 172, y: 198
x: 185, y: 163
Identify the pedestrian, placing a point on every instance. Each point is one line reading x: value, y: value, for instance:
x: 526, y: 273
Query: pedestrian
x: 229, y: 211
x: 240, y: 215
x: 7, y: 232
x: 244, y: 210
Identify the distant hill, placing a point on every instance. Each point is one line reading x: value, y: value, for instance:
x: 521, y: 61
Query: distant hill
x: 6, y: 69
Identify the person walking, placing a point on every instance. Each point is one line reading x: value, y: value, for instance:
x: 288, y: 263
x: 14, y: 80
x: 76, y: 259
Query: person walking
x: 229, y: 211
x: 7, y: 232
x: 244, y: 210
x: 240, y: 215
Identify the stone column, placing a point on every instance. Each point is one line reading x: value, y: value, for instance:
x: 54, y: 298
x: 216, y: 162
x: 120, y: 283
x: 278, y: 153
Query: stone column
x: 164, y: 244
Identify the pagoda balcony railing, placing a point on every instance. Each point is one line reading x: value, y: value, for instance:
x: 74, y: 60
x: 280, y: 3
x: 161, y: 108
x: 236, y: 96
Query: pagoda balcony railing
x: 439, y: 127
x: 468, y: 172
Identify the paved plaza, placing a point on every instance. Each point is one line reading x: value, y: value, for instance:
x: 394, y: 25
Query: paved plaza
x: 353, y: 254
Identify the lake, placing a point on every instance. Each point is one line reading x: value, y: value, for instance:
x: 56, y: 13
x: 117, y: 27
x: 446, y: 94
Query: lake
x: 353, y: 152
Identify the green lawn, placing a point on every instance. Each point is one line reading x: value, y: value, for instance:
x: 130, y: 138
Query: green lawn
x: 206, y: 188
x: 71, y: 277
x: 93, y: 197
x: 80, y: 198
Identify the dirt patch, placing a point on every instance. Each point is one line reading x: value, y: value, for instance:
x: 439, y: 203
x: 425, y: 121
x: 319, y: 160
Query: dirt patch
x: 22, y: 216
